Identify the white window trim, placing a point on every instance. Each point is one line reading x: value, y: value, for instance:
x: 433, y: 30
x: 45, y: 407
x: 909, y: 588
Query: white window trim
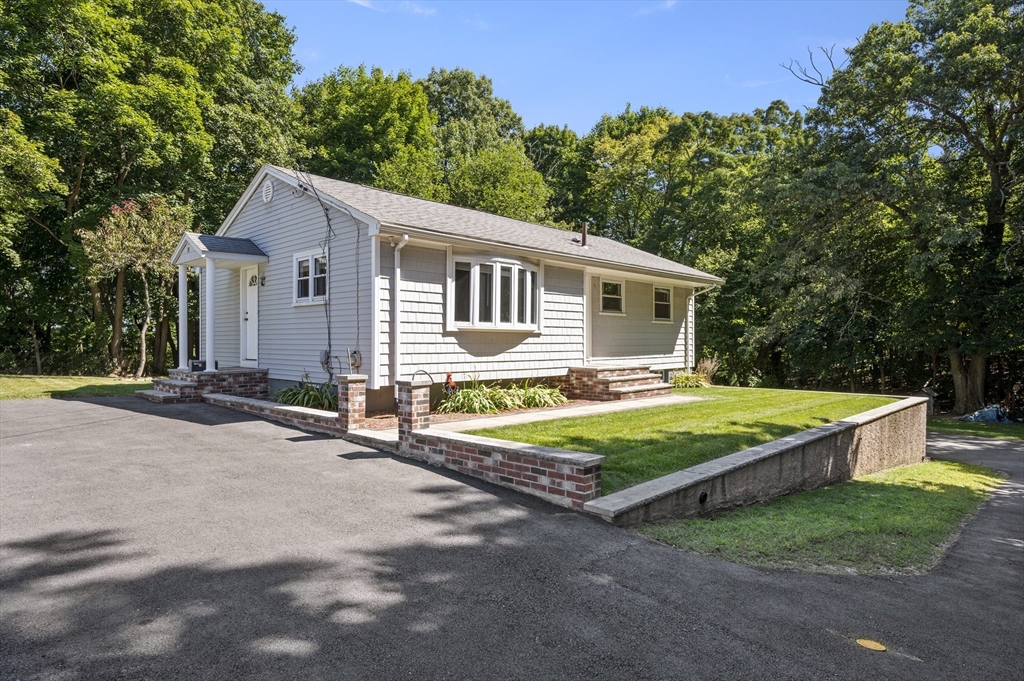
x: 600, y: 296
x: 475, y: 261
x: 312, y: 300
x: 671, y: 305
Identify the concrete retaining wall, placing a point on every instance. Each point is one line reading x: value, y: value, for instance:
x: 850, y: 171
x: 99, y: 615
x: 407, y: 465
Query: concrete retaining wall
x: 890, y: 436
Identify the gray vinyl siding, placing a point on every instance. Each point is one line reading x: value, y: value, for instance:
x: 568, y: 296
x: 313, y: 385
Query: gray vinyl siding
x: 291, y: 337
x: 486, y: 355
x: 634, y: 336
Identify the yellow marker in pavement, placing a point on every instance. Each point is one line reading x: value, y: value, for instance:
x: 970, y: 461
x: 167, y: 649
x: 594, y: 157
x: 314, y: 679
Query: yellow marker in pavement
x: 871, y: 645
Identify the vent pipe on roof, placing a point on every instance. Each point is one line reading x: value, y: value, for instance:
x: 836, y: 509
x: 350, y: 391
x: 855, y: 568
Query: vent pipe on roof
x: 583, y: 242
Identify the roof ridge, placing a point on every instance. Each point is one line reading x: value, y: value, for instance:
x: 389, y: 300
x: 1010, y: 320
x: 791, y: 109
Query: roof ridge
x: 433, y: 201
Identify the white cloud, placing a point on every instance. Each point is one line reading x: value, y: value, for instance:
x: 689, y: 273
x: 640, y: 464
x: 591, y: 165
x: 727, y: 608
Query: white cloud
x: 663, y: 6
x: 405, y: 6
x: 416, y: 8
x: 477, y: 23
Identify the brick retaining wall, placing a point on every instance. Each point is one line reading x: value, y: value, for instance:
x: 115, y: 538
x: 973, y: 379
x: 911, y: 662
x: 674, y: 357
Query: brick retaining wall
x: 316, y: 420
x: 556, y: 475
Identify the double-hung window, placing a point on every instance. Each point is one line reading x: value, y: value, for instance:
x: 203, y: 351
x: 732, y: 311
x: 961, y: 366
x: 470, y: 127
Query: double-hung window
x: 310, y: 276
x: 662, y: 304
x: 611, y: 297
x: 493, y: 293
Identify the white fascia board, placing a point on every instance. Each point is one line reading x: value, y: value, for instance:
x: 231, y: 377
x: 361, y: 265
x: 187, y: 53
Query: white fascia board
x: 431, y: 238
x: 184, y: 243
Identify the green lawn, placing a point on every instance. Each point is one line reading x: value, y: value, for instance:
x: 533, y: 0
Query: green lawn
x: 1001, y: 431
x: 899, y: 520
x: 644, y: 444
x: 31, y: 387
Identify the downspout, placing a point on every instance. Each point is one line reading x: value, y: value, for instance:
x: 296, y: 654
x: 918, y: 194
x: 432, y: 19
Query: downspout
x: 396, y: 344
x: 692, y: 344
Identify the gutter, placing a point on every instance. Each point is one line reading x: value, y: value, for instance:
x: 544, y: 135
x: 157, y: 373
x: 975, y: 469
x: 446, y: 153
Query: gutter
x: 396, y: 339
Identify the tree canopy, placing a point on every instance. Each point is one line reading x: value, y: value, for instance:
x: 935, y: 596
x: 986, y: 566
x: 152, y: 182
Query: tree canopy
x: 871, y: 242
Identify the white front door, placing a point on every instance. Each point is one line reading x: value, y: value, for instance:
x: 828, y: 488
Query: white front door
x: 250, y: 313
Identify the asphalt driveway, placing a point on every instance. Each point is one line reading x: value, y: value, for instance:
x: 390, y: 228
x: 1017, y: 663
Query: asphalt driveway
x: 142, y: 541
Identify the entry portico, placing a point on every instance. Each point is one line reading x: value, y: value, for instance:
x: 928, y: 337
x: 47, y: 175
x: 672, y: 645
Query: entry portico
x: 207, y: 253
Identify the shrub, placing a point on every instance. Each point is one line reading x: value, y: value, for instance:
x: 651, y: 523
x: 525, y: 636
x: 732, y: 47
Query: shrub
x: 707, y: 368
x: 310, y: 395
x: 689, y: 380
x: 479, y: 398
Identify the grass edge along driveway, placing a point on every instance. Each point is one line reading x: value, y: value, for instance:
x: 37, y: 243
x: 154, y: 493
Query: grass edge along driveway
x: 18, y: 387
x: 643, y: 444
x: 898, y: 521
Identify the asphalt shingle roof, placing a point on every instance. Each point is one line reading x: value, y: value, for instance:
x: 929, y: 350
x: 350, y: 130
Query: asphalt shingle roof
x: 226, y: 244
x: 406, y: 211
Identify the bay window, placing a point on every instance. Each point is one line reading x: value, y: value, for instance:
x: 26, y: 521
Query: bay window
x: 494, y: 293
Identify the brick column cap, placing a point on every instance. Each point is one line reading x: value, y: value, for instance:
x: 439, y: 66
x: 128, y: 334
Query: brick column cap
x: 352, y: 378
x: 418, y: 383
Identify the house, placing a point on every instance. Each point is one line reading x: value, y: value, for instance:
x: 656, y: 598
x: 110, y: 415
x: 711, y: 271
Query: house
x: 309, y: 274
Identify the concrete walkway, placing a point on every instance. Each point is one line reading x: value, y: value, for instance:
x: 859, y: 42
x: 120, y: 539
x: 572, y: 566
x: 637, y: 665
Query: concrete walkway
x: 144, y: 541
x: 563, y: 413
x: 388, y: 439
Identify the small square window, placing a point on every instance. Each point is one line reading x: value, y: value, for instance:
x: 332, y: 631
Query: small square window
x: 663, y: 304
x: 611, y: 296
x: 310, y: 277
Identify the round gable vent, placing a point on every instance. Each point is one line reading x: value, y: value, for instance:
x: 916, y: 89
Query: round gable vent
x: 268, y: 191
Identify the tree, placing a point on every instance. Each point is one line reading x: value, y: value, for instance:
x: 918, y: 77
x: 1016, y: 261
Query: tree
x: 140, y: 237
x: 358, y: 123
x: 181, y: 100
x: 469, y: 117
x: 28, y: 181
x: 500, y: 179
x: 929, y: 112
x: 557, y: 155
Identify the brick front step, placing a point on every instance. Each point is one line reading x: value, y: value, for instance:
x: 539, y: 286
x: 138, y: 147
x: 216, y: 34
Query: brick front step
x: 605, y: 383
x: 188, y: 386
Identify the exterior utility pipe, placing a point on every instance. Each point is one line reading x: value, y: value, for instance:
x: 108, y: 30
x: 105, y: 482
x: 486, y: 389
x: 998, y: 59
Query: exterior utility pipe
x: 396, y: 339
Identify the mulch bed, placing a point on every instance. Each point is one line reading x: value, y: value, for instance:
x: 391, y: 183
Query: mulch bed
x: 387, y: 420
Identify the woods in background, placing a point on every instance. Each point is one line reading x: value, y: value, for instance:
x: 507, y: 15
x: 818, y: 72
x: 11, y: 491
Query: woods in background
x: 871, y: 243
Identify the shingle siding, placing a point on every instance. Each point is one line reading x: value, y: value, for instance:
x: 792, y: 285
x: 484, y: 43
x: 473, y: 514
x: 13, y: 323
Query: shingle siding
x: 486, y: 355
x: 634, y: 336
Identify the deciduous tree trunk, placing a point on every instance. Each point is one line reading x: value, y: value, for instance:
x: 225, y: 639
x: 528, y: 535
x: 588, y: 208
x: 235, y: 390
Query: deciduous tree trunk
x: 968, y: 382
x: 161, y: 334
x: 116, y: 321
x: 145, y: 328
x: 35, y: 348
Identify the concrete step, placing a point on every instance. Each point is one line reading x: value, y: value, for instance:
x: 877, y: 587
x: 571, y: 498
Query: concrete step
x: 175, y: 383
x: 158, y: 397
x: 640, y: 391
x: 630, y: 380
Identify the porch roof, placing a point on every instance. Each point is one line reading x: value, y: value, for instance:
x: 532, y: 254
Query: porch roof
x: 194, y: 248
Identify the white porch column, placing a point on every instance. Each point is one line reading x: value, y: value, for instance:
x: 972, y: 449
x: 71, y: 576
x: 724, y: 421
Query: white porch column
x: 182, y: 317
x: 211, y: 303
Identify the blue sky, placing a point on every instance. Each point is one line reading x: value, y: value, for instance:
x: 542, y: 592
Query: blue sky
x: 570, y: 62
